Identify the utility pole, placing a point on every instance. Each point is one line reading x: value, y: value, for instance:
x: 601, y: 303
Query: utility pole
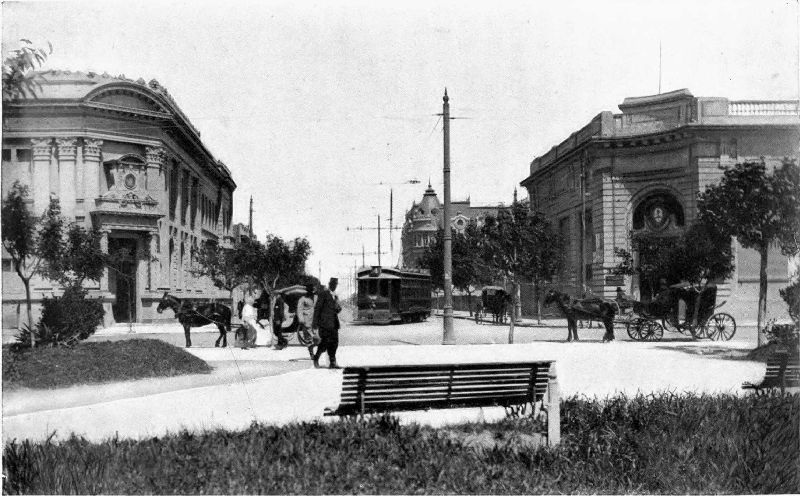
x: 447, y: 321
x: 391, y: 217
x: 379, y: 239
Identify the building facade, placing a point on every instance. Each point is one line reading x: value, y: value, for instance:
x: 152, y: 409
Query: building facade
x: 641, y: 171
x: 424, y: 219
x: 121, y: 156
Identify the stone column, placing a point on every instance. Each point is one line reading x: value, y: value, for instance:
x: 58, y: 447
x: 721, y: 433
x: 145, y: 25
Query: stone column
x: 41, y: 174
x: 156, y: 175
x: 67, y: 153
x: 108, y: 318
x: 93, y: 171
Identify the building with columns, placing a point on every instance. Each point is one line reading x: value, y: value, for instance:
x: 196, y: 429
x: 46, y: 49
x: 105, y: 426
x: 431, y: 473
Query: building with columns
x: 642, y: 170
x: 424, y: 219
x: 121, y: 156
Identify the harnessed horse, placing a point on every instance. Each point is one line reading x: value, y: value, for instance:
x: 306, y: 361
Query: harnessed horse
x: 585, y: 309
x: 191, y: 315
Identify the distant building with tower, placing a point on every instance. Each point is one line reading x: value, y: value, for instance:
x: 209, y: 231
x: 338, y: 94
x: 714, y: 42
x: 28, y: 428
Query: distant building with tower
x: 641, y: 171
x: 424, y: 219
x: 120, y: 155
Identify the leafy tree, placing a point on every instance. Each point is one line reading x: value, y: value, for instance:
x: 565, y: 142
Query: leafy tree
x: 19, y: 80
x: 758, y: 208
x: 40, y: 246
x: 698, y: 256
x: 469, y: 271
x: 791, y: 295
x: 20, y: 239
x: 224, y: 266
x: 521, y: 245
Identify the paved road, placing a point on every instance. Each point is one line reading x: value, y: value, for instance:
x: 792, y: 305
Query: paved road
x: 244, y: 386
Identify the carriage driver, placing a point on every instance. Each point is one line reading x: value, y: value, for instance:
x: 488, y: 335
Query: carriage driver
x: 249, y: 316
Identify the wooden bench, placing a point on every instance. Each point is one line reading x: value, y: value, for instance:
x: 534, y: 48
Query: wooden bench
x: 783, y: 370
x: 390, y: 388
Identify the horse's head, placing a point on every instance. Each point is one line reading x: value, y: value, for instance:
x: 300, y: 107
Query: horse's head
x: 167, y: 301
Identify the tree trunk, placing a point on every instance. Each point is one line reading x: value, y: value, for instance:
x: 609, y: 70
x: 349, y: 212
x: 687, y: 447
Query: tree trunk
x: 762, y: 292
x: 518, y: 304
x: 538, y: 298
x: 27, y: 284
x: 511, y: 317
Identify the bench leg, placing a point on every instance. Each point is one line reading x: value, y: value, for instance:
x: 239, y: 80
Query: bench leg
x: 553, y: 408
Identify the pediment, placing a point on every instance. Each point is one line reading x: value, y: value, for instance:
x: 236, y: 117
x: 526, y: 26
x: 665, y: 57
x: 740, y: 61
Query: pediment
x: 129, y: 100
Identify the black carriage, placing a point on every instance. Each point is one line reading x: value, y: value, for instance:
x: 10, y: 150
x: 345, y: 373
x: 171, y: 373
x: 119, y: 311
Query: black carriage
x: 390, y: 295
x: 494, y: 304
x: 688, y: 310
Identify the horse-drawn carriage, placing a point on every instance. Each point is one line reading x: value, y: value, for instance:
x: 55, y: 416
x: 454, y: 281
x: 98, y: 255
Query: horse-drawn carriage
x: 494, y: 302
x: 688, y: 310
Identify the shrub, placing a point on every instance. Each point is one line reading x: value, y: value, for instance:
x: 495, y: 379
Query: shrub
x: 655, y: 444
x: 791, y: 295
x: 65, y: 320
x: 787, y: 335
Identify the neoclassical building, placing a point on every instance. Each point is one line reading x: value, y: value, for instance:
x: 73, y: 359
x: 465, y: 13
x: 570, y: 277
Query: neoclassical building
x: 425, y: 218
x: 642, y: 169
x: 120, y: 155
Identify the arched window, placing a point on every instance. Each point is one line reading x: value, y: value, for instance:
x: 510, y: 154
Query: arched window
x: 658, y: 212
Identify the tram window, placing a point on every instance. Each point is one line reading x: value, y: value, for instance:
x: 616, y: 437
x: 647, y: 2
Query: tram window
x: 385, y: 288
x: 373, y: 287
x: 362, y: 287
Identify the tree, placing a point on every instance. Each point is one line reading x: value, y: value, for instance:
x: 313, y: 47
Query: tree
x: 468, y: 269
x: 698, y: 256
x: 275, y: 263
x: 20, y: 240
x: 224, y: 266
x: 40, y: 246
x: 759, y: 209
x: 19, y: 80
x: 521, y: 244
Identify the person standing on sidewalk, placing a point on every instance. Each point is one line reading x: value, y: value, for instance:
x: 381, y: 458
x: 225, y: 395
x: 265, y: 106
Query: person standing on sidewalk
x: 326, y: 319
x: 249, y: 316
x: 305, y: 317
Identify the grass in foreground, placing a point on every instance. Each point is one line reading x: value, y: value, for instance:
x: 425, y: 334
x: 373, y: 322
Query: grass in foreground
x: 645, y: 444
x: 96, y: 362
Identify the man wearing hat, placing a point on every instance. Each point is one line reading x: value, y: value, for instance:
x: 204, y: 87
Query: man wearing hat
x: 326, y: 319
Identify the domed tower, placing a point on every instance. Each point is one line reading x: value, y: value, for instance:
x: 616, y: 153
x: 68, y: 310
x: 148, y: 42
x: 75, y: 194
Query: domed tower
x: 423, y: 219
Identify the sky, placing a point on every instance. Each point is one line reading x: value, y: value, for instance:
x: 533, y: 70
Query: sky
x: 320, y: 109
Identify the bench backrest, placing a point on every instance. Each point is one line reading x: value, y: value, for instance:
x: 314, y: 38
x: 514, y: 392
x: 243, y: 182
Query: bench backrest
x: 421, y: 387
x: 784, y: 366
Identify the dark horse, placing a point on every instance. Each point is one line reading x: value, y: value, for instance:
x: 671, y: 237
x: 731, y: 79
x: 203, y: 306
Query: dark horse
x: 192, y: 315
x: 585, y: 309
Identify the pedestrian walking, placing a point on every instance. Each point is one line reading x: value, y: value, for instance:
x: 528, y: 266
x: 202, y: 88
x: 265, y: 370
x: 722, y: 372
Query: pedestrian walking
x: 305, y: 318
x: 326, y: 320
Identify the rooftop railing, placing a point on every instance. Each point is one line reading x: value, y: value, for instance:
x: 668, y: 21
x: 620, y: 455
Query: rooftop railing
x: 761, y: 107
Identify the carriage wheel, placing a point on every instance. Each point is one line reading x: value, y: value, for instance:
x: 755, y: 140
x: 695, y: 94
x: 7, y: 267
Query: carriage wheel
x: 655, y: 331
x: 720, y: 327
x: 634, y: 328
x: 649, y: 330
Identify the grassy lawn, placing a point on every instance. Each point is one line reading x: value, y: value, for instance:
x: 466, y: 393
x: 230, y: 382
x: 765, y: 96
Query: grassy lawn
x: 89, y: 363
x: 646, y: 444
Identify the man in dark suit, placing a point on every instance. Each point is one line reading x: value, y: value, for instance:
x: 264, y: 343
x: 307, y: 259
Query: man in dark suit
x: 326, y: 319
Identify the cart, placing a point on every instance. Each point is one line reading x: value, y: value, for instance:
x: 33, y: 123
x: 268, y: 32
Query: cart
x: 493, y: 304
x: 688, y: 310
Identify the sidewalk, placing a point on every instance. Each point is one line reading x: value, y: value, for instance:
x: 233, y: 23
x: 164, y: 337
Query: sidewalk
x: 156, y: 407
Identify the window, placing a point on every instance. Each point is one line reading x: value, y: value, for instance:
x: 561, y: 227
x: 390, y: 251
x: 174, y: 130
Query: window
x: 6, y: 155
x: 8, y: 266
x: 384, y: 285
x: 23, y: 154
